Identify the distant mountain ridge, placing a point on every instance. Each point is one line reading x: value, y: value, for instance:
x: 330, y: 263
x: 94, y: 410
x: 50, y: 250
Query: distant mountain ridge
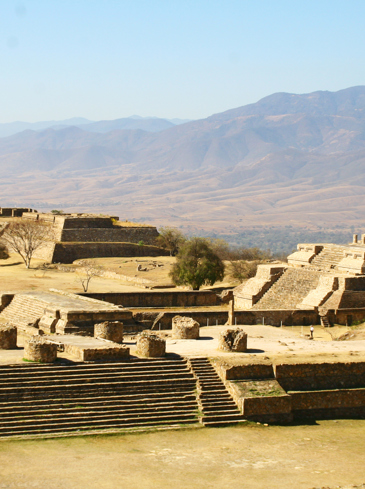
x: 286, y: 158
x: 150, y: 124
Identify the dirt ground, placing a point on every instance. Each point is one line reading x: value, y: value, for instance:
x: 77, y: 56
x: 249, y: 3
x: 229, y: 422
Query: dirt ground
x: 324, y: 454
x: 14, y: 275
x: 266, y: 344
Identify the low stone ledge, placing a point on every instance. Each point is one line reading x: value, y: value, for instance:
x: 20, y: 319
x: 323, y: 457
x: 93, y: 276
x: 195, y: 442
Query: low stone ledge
x: 150, y: 346
x: 184, y: 328
x: 109, y: 330
x: 37, y: 349
x: 112, y: 353
x: 232, y: 340
x: 250, y: 371
x: 8, y: 337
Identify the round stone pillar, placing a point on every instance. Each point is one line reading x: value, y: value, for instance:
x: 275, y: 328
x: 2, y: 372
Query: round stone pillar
x: 150, y: 346
x: 232, y: 340
x: 184, y: 328
x: 109, y: 330
x: 37, y: 349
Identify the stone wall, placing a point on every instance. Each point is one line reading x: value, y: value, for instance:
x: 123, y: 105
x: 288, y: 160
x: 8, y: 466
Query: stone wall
x: 320, y: 376
x: 13, y: 211
x: 213, y: 318
x: 69, y: 252
x: 191, y: 298
x: 307, y: 390
x: 251, y: 371
x: 116, y: 234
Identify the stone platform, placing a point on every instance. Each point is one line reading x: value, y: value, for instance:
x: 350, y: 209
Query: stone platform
x: 59, y: 312
x: 86, y: 349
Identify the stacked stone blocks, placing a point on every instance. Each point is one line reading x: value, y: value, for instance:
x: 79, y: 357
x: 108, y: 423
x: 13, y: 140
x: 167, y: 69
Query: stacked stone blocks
x: 232, y: 340
x: 109, y: 330
x: 38, y: 349
x: 8, y: 337
x: 150, y: 346
x: 185, y: 328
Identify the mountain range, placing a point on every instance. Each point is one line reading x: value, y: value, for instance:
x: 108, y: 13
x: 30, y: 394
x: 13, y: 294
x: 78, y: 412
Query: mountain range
x: 286, y: 160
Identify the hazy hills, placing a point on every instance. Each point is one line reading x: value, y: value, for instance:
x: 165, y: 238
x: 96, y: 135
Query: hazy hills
x: 286, y: 159
x: 150, y: 124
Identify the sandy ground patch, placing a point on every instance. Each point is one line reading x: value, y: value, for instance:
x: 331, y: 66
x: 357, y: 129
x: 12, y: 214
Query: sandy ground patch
x: 324, y: 454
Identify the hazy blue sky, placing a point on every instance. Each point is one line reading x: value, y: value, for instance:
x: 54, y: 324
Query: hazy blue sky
x: 105, y: 59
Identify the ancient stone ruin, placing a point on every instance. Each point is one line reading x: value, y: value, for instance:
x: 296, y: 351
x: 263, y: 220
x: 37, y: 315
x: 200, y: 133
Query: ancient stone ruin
x: 326, y: 279
x: 232, y: 340
x: 59, y: 312
x: 8, y: 337
x: 14, y: 211
x: 77, y: 236
x: 38, y: 349
x: 184, y: 328
x: 109, y: 330
x: 150, y: 346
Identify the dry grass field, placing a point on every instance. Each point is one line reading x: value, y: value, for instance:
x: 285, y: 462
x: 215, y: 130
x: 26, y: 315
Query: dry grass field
x: 325, y: 454
x: 123, y: 277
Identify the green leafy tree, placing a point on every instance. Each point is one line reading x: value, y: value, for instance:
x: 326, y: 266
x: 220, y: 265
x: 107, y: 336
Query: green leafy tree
x: 170, y: 239
x: 197, y: 264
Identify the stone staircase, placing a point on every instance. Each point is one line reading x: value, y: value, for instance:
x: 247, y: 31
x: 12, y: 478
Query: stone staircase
x: 216, y: 404
x: 23, y: 310
x: 289, y: 290
x: 328, y: 258
x: 49, y: 400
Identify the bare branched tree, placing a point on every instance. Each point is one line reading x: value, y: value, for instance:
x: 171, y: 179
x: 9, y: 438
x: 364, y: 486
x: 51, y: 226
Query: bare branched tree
x: 171, y: 239
x: 26, y: 237
x: 88, y: 271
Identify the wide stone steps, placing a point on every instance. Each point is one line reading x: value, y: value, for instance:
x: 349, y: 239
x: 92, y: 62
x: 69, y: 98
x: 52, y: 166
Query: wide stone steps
x: 289, y: 290
x: 327, y: 258
x: 80, y: 410
x: 72, y: 380
x: 23, y: 310
x: 110, y: 400
x: 58, y: 400
x: 218, y: 407
x: 98, y: 424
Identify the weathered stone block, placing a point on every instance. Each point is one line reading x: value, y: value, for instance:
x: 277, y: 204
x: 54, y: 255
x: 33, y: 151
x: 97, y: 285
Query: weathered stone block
x: 39, y: 350
x: 232, y: 340
x: 65, y: 327
x: 184, y: 328
x: 113, y: 353
x: 150, y: 345
x: 112, y: 331
x: 48, y: 324
x: 8, y: 336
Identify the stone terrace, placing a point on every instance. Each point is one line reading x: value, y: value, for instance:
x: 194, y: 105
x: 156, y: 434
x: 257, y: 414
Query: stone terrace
x: 289, y: 290
x: 57, y: 311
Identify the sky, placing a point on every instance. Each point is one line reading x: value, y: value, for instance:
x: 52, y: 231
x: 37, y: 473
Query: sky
x: 107, y: 59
